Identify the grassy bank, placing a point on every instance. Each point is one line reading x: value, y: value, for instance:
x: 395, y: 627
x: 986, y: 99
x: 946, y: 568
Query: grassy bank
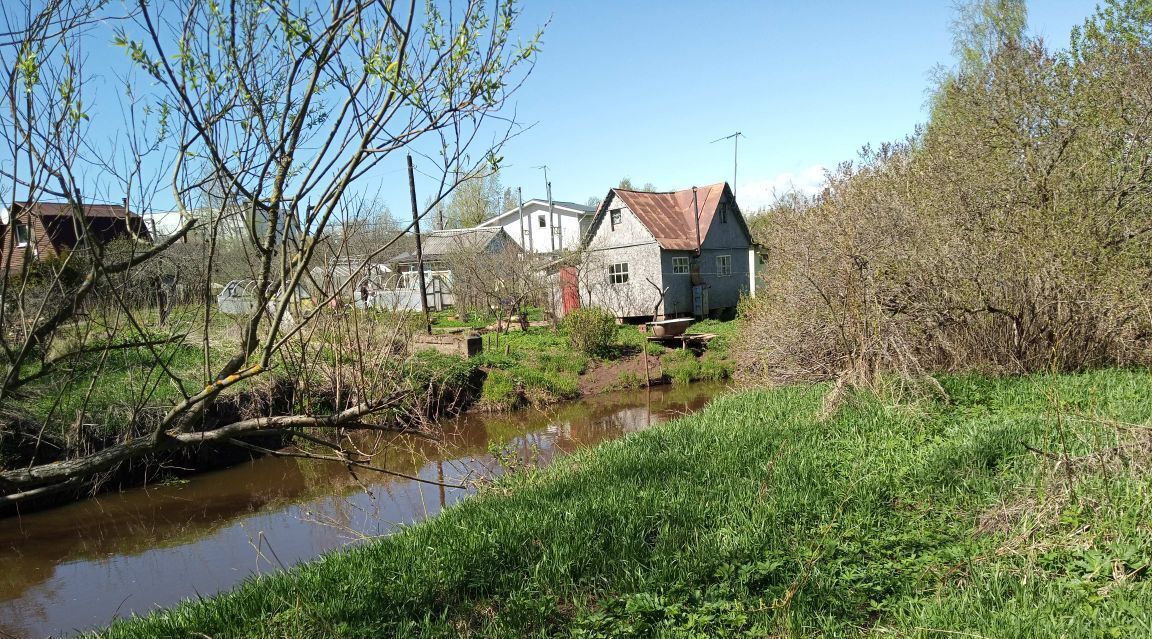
x: 540, y: 366
x: 753, y: 518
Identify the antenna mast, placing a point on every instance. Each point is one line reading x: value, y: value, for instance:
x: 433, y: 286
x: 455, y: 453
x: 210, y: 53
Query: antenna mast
x: 735, y: 137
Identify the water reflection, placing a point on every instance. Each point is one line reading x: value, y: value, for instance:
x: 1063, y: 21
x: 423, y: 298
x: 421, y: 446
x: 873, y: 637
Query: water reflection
x: 79, y: 566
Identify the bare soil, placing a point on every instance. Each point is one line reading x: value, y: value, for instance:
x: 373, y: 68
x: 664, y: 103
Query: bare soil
x: 602, y: 377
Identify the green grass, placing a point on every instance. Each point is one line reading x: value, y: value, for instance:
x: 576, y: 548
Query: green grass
x: 536, y: 366
x: 754, y: 518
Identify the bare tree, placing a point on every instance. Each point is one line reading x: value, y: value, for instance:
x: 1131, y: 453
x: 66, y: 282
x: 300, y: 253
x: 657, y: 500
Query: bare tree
x: 286, y: 107
x: 505, y: 282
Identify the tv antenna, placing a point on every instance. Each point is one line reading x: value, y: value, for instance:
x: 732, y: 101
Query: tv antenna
x: 735, y: 137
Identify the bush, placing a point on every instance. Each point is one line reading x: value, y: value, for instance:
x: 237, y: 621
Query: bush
x: 591, y: 330
x: 960, y: 249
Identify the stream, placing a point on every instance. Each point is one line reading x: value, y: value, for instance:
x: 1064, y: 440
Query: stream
x: 77, y: 567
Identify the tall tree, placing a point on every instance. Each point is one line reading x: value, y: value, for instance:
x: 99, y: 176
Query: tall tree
x: 476, y: 199
x: 282, y: 103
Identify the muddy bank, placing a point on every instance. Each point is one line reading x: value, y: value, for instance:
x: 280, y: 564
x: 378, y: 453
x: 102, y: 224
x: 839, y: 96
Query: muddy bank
x: 22, y: 446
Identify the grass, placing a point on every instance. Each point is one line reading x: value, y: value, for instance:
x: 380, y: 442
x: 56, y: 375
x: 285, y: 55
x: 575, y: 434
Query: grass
x: 530, y: 367
x: 540, y: 366
x: 753, y: 518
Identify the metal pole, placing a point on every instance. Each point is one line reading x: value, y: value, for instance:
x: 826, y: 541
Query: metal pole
x: 551, y: 216
x: 419, y: 250
x: 735, y: 155
x: 524, y: 243
x: 696, y: 209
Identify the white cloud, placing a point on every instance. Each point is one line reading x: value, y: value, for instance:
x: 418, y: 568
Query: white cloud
x: 761, y: 193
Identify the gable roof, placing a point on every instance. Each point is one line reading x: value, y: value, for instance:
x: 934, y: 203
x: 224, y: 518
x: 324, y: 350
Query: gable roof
x: 670, y: 216
x: 106, y: 222
x: 579, y: 209
x: 439, y: 243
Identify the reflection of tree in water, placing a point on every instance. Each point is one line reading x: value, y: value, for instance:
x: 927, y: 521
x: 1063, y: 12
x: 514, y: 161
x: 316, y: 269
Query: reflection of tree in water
x: 191, y: 514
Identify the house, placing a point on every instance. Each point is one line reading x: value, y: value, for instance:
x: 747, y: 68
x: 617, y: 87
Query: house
x: 33, y: 231
x: 164, y: 224
x: 538, y: 228
x: 439, y: 250
x: 670, y: 254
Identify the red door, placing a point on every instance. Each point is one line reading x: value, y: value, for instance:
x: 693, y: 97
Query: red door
x: 569, y: 289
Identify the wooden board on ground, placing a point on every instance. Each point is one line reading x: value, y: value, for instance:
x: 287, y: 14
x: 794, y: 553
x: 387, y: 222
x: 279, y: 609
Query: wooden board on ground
x: 685, y: 339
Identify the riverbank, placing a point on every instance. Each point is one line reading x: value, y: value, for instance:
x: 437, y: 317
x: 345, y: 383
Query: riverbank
x: 153, y: 548
x: 536, y: 367
x: 539, y: 366
x: 1017, y: 509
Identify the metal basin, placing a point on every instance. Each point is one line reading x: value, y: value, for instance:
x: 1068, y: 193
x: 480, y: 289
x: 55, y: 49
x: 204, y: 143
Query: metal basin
x: 670, y: 327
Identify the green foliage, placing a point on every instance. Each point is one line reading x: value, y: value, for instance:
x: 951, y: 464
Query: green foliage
x: 500, y: 391
x: 754, y: 518
x: 629, y: 380
x: 683, y: 366
x: 591, y: 331
x: 530, y: 367
x: 431, y: 368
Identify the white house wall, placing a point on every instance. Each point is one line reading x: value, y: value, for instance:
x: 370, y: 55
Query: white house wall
x: 538, y: 239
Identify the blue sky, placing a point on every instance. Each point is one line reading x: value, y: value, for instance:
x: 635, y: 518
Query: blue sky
x: 639, y: 89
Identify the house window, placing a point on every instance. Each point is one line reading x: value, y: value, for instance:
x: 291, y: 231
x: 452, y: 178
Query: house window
x: 723, y: 265
x: 23, y: 234
x: 541, y: 221
x: 617, y: 216
x: 724, y: 214
x: 618, y: 273
x: 680, y: 266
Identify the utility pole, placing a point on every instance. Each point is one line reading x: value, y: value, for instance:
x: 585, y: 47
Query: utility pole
x: 551, y: 208
x: 524, y: 230
x: 735, y: 137
x: 419, y: 250
x: 552, y: 219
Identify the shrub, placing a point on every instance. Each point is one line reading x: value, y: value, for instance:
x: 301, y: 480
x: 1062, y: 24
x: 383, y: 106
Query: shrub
x: 951, y: 252
x: 591, y: 330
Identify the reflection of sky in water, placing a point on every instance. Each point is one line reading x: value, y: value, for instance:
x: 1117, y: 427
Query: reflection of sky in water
x: 77, y: 567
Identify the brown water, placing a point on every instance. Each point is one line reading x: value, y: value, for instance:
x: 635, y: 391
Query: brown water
x: 77, y: 567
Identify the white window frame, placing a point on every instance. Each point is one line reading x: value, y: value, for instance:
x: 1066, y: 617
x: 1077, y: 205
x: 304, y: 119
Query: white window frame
x: 616, y: 216
x: 27, y: 235
x: 618, y: 273
x: 681, y: 265
x: 723, y: 265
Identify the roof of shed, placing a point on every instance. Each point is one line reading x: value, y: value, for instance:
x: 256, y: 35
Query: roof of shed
x: 671, y: 217
x: 106, y: 222
x: 440, y: 243
x: 65, y: 208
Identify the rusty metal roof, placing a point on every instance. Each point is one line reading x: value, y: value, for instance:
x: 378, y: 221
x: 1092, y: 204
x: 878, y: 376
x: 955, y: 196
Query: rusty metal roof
x: 671, y: 217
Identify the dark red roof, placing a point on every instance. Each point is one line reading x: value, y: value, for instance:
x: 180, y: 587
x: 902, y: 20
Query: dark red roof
x: 671, y: 217
x: 65, y: 208
x: 106, y: 222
